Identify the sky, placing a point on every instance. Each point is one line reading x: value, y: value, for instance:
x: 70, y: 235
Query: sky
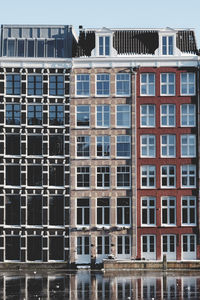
x: 104, y: 13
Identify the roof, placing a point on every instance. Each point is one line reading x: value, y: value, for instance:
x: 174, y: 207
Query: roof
x: 136, y: 41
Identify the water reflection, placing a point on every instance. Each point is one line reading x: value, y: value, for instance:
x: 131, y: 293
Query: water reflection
x: 85, y: 285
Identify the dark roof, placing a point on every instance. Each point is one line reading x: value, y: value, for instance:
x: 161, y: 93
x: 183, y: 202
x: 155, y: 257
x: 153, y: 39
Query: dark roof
x: 135, y: 41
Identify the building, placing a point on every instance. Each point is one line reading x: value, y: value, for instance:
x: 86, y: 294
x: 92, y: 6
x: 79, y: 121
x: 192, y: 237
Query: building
x: 98, y: 144
x: 35, y: 68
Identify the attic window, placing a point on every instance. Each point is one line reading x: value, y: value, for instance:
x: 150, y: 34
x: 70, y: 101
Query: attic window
x: 167, y: 45
x: 104, y: 45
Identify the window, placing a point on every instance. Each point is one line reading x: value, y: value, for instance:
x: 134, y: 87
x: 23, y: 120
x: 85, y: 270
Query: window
x: 188, y: 84
x: 188, y: 176
x: 168, y: 176
x: 13, y: 114
x: 13, y: 144
x: 56, y: 145
x: 56, y: 210
x: 168, y: 210
x: 12, y: 210
x: 123, y: 146
x: 123, y: 177
x: 35, y: 144
x: 123, y: 211
x: 103, y: 146
x: 13, y: 173
x: 56, y: 85
x: 189, y: 245
x: 147, y: 115
x: 103, y: 245
x: 168, y: 115
x: 122, y: 84
x: 188, y: 210
x: 147, y: 84
x: 82, y: 84
x: 34, y: 248
x: 148, y: 176
x: 34, y: 115
x: 83, y: 245
x: 83, y: 211
x: 56, y: 175
x: 104, y: 45
x: 40, y: 48
x: 103, y: 211
x: 168, y: 84
x: 123, y: 116
x: 148, y: 145
x: 56, y: 115
x: 169, y: 245
x: 13, y: 84
x: 167, y: 45
x: 103, y: 116
x: 83, y: 116
x: 148, y: 206
x: 102, y: 84
x: 20, y: 48
x: 83, y: 146
x: 103, y: 177
x: 34, y: 175
x: 34, y: 85
x: 56, y: 248
x: 83, y: 177
x: 188, y: 145
x: 12, y: 249
x: 188, y: 115
x: 34, y: 210
x: 168, y: 145
x: 30, y: 48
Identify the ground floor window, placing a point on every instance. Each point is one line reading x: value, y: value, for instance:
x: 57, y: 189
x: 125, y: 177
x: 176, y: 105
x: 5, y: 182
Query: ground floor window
x: 56, y: 248
x: 34, y: 248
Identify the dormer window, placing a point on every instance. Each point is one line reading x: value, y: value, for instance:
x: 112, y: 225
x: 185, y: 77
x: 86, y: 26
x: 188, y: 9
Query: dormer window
x: 168, y: 45
x: 104, y: 45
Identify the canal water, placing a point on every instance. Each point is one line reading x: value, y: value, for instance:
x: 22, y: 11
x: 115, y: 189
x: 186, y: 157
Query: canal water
x: 86, y: 285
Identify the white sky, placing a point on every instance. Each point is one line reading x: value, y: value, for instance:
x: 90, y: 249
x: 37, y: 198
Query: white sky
x: 108, y: 13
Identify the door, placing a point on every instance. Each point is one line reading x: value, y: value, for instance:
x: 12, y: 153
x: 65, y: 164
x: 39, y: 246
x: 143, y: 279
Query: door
x: 149, y: 247
x: 83, y: 250
x: 124, y: 247
x: 103, y: 248
x: 169, y: 246
x: 188, y: 246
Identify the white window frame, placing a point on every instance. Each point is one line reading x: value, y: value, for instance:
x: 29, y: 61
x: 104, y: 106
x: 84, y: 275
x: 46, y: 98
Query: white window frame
x: 189, y: 254
x: 122, y: 172
x: 123, y: 255
x: 83, y: 79
x: 188, y: 169
x: 82, y: 187
x: 190, y: 145
x: 82, y: 143
x: 168, y: 208
x: 148, y: 116
x: 168, y: 176
x: 104, y: 50
x: 167, y: 115
x: 168, y: 84
x: 102, y: 245
x: 103, y: 80
x: 103, y: 174
x: 168, y: 146
x: 188, y: 115
x: 123, y: 81
x: 126, y: 140
x: 170, y: 244
x: 83, y: 212
x: 102, y: 112
x: 169, y: 48
x: 188, y: 84
x: 189, y: 209
x: 103, y: 209
x: 104, y: 145
x: 123, y: 213
x: 147, y: 146
x: 147, y: 84
x: 149, y: 208
x: 127, y: 111
x: 77, y: 126
x: 148, y: 169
